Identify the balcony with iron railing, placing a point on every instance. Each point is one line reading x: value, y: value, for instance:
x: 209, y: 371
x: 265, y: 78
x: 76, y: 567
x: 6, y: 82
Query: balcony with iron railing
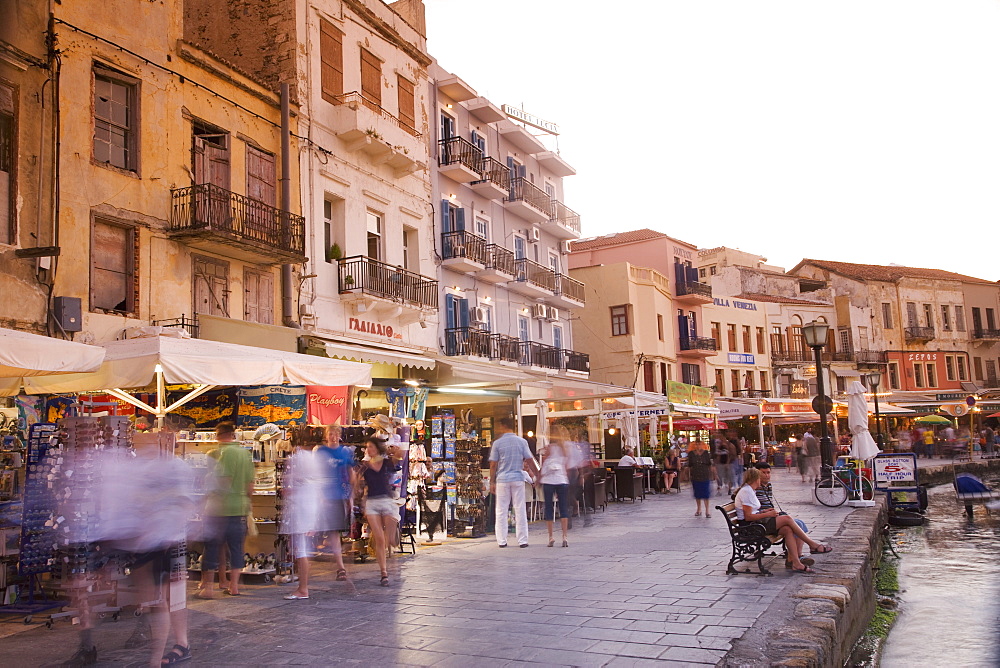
x: 505, y: 349
x: 540, y: 355
x: 985, y: 333
x: 529, y: 201
x: 563, y: 223
x: 494, y: 180
x: 467, y: 341
x: 364, y: 126
x: 366, y: 277
x: 918, y: 333
x: 214, y: 219
x: 699, y: 346
x: 693, y: 292
x: 576, y: 361
x: 464, y: 251
x: 871, y: 357
x: 751, y: 394
x: 532, y: 279
x: 460, y: 160
x: 570, y: 293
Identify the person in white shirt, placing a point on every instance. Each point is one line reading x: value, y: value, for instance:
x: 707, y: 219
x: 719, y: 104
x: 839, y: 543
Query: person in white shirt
x: 628, y: 459
x: 555, y: 482
x: 748, y: 510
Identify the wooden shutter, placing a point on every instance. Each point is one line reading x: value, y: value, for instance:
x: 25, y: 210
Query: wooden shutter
x: 260, y: 176
x: 259, y: 297
x: 371, y: 79
x: 331, y: 55
x: 407, y: 110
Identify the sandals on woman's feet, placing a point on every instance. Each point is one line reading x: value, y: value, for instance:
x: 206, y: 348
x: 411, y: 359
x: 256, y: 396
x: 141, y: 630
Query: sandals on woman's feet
x: 804, y: 569
x: 384, y: 581
x: 822, y: 549
x: 341, y: 574
x: 808, y: 561
x: 178, y: 654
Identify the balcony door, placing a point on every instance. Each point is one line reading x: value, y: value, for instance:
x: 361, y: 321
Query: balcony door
x: 210, y: 165
x: 261, y: 219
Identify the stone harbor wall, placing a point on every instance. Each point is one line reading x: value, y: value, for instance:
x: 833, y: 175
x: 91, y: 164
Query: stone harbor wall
x: 818, y: 622
x: 944, y: 474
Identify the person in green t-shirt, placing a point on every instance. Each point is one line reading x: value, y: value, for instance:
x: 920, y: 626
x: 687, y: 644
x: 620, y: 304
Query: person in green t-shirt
x: 226, y: 510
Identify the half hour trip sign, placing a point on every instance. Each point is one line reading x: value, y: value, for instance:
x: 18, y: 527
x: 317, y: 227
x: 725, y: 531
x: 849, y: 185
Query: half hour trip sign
x: 895, y: 470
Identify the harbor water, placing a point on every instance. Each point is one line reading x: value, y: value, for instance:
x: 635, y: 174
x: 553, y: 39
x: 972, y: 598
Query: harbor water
x: 949, y: 580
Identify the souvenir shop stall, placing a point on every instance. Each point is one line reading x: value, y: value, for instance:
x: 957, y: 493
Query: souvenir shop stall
x: 159, y: 389
x: 447, y: 432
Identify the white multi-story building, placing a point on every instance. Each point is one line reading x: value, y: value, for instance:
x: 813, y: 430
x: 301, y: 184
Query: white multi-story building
x: 501, y: 234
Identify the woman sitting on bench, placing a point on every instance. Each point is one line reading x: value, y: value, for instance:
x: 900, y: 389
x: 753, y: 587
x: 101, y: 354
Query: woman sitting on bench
x: 748, y: 510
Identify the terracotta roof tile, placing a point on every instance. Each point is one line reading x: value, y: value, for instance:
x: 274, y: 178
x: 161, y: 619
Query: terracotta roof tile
x: 889, y: 274
x: 618, y: 239
x: 774, y: 299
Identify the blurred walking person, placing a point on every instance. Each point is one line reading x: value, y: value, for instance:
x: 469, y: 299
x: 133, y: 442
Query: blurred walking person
x: 302, y: 517
x: 699, y: 460
x: 336, y: 465
x: 226, y: 510
x: 381, y: 510
x: 555, y: 482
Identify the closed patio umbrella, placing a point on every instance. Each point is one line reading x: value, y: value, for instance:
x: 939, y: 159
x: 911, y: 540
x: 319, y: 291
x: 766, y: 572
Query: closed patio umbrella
x: 541, y: 426
x: 862, y: 444
x: 630, y: 431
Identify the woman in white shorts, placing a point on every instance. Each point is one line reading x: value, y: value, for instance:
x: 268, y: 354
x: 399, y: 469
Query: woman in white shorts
x: 381, y: 509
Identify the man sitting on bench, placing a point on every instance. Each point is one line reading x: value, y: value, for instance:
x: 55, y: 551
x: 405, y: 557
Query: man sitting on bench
x: 748, y: 509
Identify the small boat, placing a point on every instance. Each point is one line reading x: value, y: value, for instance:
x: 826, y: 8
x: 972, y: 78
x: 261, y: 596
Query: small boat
x: 905, y: 518
x: 970, y: 490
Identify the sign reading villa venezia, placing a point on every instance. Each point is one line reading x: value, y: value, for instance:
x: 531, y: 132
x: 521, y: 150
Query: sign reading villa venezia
x: 734, y: 303
x: 376, y: 328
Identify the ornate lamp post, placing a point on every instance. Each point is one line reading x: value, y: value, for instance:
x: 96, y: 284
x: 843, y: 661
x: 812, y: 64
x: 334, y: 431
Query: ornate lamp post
x: 873, y: 378
x: 815, y: 335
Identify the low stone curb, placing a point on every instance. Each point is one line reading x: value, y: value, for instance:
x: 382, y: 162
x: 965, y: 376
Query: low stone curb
x: 828, y: 612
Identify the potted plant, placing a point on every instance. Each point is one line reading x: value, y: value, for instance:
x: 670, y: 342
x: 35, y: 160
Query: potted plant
x: 333, y: 253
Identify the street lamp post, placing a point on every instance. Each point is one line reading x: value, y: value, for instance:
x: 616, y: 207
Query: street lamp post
x: 873, y: 378
x: 815, y: 335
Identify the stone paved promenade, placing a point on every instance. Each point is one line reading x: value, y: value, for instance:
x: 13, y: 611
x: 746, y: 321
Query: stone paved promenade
x: 645, y: 582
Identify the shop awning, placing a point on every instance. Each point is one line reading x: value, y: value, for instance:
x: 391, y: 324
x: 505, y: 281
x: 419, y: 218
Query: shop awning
x: 735, y: 409
x: 381, y: 355
x: 698, y: 423
x: 888, y: 409
x: 26, y: 355
x: 470, y: 372
x: 171, y: 360
x: 691, y: 408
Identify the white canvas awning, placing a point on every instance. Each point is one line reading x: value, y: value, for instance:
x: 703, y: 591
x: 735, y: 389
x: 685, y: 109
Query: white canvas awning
x: 383, y: 355
x: 166, y: 360
x: 24, y: 355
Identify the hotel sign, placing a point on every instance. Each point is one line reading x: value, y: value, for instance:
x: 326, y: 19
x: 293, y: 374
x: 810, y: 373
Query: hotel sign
x: 741, y: 358
x: 531, y: 119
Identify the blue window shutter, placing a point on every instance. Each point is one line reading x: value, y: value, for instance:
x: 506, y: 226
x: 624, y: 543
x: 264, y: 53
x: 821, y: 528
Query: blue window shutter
x: 463, y: 312
x: 445, y: 216
x: 511, y: 167
x: 521, y: 171
x: 449, y: 311
x: 459, y: 221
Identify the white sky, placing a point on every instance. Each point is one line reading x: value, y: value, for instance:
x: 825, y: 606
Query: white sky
x: 860, y: 131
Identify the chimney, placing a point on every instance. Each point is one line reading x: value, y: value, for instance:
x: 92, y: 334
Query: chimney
x: 412, y: 12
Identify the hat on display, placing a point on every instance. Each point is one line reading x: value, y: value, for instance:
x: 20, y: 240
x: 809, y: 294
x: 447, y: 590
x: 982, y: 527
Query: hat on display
x: 381, y: 423
x: 266, y: 432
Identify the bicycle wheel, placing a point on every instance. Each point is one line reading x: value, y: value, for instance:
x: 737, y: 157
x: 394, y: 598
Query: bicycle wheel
x: 831, y: 492
x: 867, y: 490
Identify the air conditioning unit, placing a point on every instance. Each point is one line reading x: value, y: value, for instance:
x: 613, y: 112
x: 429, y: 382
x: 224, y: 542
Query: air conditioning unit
x: 566, y: 248
x: 477, y: 315
x: 539, y: 311
x: 536, y: 234
x: 552, y: 315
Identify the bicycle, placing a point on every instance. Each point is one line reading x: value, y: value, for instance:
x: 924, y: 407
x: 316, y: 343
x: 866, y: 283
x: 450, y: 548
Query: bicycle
x: 832, y: 490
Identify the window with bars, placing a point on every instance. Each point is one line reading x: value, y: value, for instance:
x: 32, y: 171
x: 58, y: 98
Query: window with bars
x: 115, y: 119
x: 331, y: 56
x: 619, y: 320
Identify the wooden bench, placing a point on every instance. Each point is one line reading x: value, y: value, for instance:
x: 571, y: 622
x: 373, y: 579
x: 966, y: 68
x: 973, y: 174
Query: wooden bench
x: 750, y: 543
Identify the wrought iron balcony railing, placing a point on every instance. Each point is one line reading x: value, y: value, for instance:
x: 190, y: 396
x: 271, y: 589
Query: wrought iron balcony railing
x: 694, y: 288
x: 183, y: 322
x: 752, y: 394
x: 467, y: 341
x: 576, y: 361
x: 376, y: 278
x: 208, y: 208
x: 982, y: 333
x: 541, y: 355
x: 500, y: 259
x: 505, y: 348
x: 496, y: 172
x: 871, y: 357
x: 355, y: 98
x: 461, y: 151
x: 793, y: 356
x: 571, y: 288
x: 919, y: 333
x: 527, y: 271
x: 698, y: 343
x: 565, y: 216
x: 521, y: 189
x: 465, y: 244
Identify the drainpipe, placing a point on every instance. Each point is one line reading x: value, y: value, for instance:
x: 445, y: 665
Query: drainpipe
x: 287, y: 316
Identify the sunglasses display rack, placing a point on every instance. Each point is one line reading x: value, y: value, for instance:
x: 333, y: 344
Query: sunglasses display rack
x: 470, y: 508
